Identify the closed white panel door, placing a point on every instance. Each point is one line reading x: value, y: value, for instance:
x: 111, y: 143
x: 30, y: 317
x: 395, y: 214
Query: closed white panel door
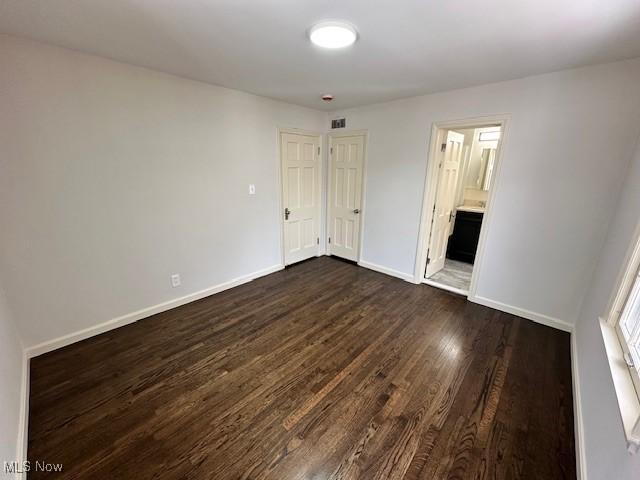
x: 300, y: 156
x: 449, y: 158
x: 346, y: 163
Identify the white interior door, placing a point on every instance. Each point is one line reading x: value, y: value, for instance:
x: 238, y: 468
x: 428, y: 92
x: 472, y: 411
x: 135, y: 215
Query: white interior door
x: 300, y: 155
x: 449, y: 158
x: 345, y: 191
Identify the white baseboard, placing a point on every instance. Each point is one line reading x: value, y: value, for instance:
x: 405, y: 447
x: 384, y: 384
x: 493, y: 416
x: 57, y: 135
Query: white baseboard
x: 70, y: 338
x: 386, y: 271
x: 581, y: 460
x: 23, y: 433
x: 520, y: 312
x: 146, y: 312
x: 536, y: 317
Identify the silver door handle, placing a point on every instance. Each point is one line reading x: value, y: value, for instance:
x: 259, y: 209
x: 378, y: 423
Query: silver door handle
x: 356, y: 211
x: 287, y: 212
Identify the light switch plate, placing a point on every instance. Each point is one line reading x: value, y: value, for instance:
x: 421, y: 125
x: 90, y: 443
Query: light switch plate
x: 252, y: 189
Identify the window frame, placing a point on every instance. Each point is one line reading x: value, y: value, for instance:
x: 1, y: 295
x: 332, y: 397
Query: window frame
x: 626, y: 378
x: 616, y: 317
x: 493, y: 134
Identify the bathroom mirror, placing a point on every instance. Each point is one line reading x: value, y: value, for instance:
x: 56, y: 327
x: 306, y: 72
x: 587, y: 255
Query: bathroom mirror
x: 477, y: 168
x: 487, y: 161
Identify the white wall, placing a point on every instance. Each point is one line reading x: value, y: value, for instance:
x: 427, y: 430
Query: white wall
x: 113, y: 177
x: 570, y: 136
x: 605, y: 447
x: 11, y: 376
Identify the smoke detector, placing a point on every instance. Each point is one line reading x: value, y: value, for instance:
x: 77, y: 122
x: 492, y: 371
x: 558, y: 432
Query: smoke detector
x: 327, y: 97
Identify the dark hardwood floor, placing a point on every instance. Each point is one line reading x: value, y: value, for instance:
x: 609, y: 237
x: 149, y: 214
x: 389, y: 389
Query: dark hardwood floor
x: 323, y: 371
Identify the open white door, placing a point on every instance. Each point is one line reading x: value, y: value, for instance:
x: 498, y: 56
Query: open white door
x: 300, y: 155
x: 449, y: 158
x: 346, y: 164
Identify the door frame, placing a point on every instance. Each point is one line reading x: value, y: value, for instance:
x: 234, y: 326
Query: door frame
x: 431, y: 184
x: 363, y: 190
x: 321, y: 188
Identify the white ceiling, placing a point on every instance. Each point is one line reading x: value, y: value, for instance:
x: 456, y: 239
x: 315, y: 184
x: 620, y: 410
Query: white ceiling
x: 406, y: 47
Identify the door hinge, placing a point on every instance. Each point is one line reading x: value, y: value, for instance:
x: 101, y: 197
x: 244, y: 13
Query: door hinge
x: 318, y: 240
x: 426, y: 264
x: 443, y: 147
x: 628, y: 360
x: 331, y: 150
x: 318, y: 150
x: 329, y: 239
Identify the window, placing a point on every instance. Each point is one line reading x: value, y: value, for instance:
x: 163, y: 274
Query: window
x: 489, y: 136
x: 621, y: 334
x: 628, y: 329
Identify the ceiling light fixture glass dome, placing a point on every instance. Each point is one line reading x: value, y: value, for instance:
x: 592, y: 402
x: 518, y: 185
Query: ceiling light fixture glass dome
x: 333, y: 34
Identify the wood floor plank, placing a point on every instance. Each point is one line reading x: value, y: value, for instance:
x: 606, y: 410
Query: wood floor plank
x: 325, y: 370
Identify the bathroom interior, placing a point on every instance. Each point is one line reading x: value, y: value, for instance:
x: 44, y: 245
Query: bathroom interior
x: 474, y: 169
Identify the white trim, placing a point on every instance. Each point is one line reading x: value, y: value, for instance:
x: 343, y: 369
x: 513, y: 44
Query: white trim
x: 70, y: 338
x: 521, y: 312
x: 626, y: 278
x: 626, y: 395
x: 578, y: 424
x: 322, y: 248
x: 324, y: 196
x: 624, y: 379
x: 348, y: 133
x: 426, y: 215
x: 363, y: 191
x: 279, y: 132
x: 442, y: 286
x: 430, y: 190
x: 299, y: 131
x: 28, y: 353
x: 387, y: 271
x: 487, y: 218
x: 363, y: 188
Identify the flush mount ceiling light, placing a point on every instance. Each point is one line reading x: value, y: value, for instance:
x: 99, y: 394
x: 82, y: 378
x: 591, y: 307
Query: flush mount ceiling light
x: 333, y: 34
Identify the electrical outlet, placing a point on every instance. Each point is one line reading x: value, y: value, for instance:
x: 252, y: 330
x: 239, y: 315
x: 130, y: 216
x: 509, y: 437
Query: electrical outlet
x: 252, y: 189
x: 175, y: 280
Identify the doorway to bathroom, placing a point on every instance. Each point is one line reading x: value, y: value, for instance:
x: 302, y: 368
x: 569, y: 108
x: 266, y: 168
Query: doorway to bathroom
x: 462, y: 170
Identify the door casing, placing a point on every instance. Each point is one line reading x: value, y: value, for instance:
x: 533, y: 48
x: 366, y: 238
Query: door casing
x: 431, y: 179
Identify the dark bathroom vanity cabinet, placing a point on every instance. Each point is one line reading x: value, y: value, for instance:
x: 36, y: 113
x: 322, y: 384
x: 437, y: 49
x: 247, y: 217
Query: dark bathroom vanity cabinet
x: 463, y: 243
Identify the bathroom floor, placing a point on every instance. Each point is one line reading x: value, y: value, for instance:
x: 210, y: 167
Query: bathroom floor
x: 455, y: 274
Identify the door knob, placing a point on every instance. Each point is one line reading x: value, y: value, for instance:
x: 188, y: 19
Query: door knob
x: 356, y: 211
x: 287, y: 212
